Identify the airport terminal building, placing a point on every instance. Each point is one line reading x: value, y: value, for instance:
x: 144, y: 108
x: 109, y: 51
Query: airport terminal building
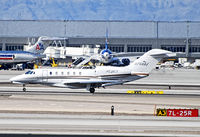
x: 123, y: 36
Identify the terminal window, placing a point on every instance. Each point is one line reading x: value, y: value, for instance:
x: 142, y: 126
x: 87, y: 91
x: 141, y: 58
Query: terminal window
x: 114, y: 48
x: 117, y: 48
x: 173, y: 48
x: 12, y: 47
x: 74, y: 45
x: 194, y: 49
x: 139, y: 48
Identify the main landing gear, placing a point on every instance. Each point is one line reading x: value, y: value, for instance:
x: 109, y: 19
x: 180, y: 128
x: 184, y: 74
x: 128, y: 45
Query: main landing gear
x: 24, y: 88
x: 92, y: 90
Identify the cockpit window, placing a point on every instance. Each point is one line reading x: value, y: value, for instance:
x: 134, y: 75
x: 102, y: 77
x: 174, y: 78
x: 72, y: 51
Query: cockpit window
x: 28, y: 72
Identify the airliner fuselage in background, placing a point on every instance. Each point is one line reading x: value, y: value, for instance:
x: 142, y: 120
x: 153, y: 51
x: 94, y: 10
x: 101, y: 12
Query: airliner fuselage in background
x: 100, y: 76
x: 15, y: 57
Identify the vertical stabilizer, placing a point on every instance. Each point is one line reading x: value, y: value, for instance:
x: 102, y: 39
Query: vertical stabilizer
x: 106, y: 42
x: 38, y: 47
x: 146, y: 63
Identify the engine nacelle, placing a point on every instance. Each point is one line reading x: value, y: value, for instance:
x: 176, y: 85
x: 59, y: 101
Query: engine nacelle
x: 126, y: 61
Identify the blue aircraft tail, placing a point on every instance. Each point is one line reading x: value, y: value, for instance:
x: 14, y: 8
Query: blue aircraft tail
x: 106, y: 42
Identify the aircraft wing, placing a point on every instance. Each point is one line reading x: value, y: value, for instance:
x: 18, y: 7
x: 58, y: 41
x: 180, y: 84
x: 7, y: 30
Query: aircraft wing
x: 79, y: 82
x: 126, y: 54
x: 87, y: 81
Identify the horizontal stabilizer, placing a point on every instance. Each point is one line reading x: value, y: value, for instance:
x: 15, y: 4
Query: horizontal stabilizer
x: 147, y: 62
x: 164, y: 55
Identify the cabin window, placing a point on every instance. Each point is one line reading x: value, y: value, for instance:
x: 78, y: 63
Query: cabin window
x: 79, y: 73
x: 67, y: 73
x: 74, y: 73
x: 62, y: 73
x: 50, y: 73
x: 56, y: 73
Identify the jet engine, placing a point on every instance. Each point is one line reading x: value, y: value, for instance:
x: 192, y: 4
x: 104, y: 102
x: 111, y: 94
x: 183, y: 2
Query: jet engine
x: 126, y: 61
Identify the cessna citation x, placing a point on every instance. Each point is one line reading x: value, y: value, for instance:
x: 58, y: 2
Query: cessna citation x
x: 100, y: 76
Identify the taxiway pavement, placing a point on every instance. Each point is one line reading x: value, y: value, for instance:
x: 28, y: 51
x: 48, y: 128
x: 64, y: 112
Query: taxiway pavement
x: 98, y: 125
x: 54, y: 100
x: 49, y: 110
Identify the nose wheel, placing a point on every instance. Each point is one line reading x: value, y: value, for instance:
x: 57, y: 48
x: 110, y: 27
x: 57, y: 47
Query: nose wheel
x: 92, y: 90
x: 24, y: 88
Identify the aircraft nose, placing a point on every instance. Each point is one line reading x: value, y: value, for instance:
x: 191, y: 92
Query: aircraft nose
x: 106, y: 55
x: 15, y: 79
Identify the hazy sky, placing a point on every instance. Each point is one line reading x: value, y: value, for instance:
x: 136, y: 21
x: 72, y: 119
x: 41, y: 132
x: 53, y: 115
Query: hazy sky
x: 132, y: 10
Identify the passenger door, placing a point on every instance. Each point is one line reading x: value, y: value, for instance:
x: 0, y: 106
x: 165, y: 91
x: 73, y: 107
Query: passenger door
x: 44, y: 75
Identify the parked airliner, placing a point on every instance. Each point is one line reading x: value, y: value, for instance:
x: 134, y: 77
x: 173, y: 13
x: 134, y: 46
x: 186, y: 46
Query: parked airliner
x: 100, y: 76
x: 8, y: 58
x: 32, y: 53
x: 107, y: 57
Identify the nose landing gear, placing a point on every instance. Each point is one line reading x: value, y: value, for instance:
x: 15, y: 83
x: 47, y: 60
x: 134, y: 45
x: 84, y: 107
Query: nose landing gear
x: 24, y: 88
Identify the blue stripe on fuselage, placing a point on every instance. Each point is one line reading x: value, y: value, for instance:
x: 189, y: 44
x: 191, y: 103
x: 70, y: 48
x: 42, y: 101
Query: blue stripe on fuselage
x: 10, y: 56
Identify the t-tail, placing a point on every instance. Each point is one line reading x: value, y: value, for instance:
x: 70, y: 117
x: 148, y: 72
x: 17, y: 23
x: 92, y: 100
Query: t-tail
x: 38, y: 47
x: 146, y: 63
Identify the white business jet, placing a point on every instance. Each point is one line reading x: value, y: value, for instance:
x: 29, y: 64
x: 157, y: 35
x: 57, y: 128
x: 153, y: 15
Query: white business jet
x: 100, y: 76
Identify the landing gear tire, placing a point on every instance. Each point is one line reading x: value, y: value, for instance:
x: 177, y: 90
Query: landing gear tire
x: 24, y: 89
x: 92, y: 90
